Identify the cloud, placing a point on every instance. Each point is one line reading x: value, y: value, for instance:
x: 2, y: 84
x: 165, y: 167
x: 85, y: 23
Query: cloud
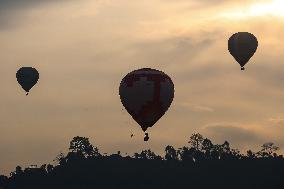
x: 196, y: 108
x: 239, y: 136
x: 11, y: 10
x: 243, y: 136
x: 174, y: 51
x: 279, y: 121
x: 8, y: 5
x: 203, y: 109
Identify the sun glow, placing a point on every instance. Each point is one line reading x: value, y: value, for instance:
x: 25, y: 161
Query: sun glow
x: 272, y: 8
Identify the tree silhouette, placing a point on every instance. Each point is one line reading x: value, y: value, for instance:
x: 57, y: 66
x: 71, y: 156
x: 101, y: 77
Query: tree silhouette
x: 82, y: 146
x: 202, y: 164
x: 60, y: 158
x: 267, y: 150
x: 49, y: 168
x: 186, y: 154
x: 147, y: 154
x: 207, y: 148
x: 196, y: 140
x: 171, y: 153
x: 251, y: 155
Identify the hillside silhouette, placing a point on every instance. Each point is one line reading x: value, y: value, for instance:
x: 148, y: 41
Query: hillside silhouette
x: 201, y: 164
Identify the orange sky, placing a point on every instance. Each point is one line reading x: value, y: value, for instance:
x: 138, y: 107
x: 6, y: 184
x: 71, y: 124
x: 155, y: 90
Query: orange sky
x: 84, y: 48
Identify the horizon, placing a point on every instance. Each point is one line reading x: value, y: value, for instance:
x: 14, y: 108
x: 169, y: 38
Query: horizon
x: 82, y: 51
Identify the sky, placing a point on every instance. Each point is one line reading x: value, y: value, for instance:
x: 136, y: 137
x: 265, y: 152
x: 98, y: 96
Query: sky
x: 82, y: 50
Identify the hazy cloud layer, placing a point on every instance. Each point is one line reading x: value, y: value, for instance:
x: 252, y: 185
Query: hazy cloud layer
x: 12, y: 12
x: 240, y: 137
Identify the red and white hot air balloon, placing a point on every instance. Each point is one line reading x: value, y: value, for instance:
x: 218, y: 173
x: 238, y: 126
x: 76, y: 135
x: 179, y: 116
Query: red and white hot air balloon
x: 146, y: 94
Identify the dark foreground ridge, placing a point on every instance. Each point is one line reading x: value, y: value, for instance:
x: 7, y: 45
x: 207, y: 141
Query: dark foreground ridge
x: 201, y: 165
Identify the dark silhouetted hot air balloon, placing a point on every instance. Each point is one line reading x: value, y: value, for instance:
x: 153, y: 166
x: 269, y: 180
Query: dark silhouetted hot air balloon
x: 27, y: 77
x: 146, y: 94
x: 242, y: 46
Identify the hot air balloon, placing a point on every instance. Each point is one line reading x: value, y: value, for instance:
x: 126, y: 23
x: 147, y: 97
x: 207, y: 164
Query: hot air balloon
x: 27, y: 77
x: 146, y: 94
x: 242, y: 46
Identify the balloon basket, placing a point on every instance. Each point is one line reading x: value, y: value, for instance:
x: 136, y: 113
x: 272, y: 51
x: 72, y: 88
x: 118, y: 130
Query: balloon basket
x: 146, y: 137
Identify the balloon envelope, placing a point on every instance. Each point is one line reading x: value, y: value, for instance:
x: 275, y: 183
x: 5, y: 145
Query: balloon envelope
x: 146, y: 94
x: 27, y: 77
x: 242, y: 46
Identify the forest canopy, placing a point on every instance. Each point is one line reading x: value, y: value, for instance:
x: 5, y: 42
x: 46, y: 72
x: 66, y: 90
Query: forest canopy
x: 199, y: 164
